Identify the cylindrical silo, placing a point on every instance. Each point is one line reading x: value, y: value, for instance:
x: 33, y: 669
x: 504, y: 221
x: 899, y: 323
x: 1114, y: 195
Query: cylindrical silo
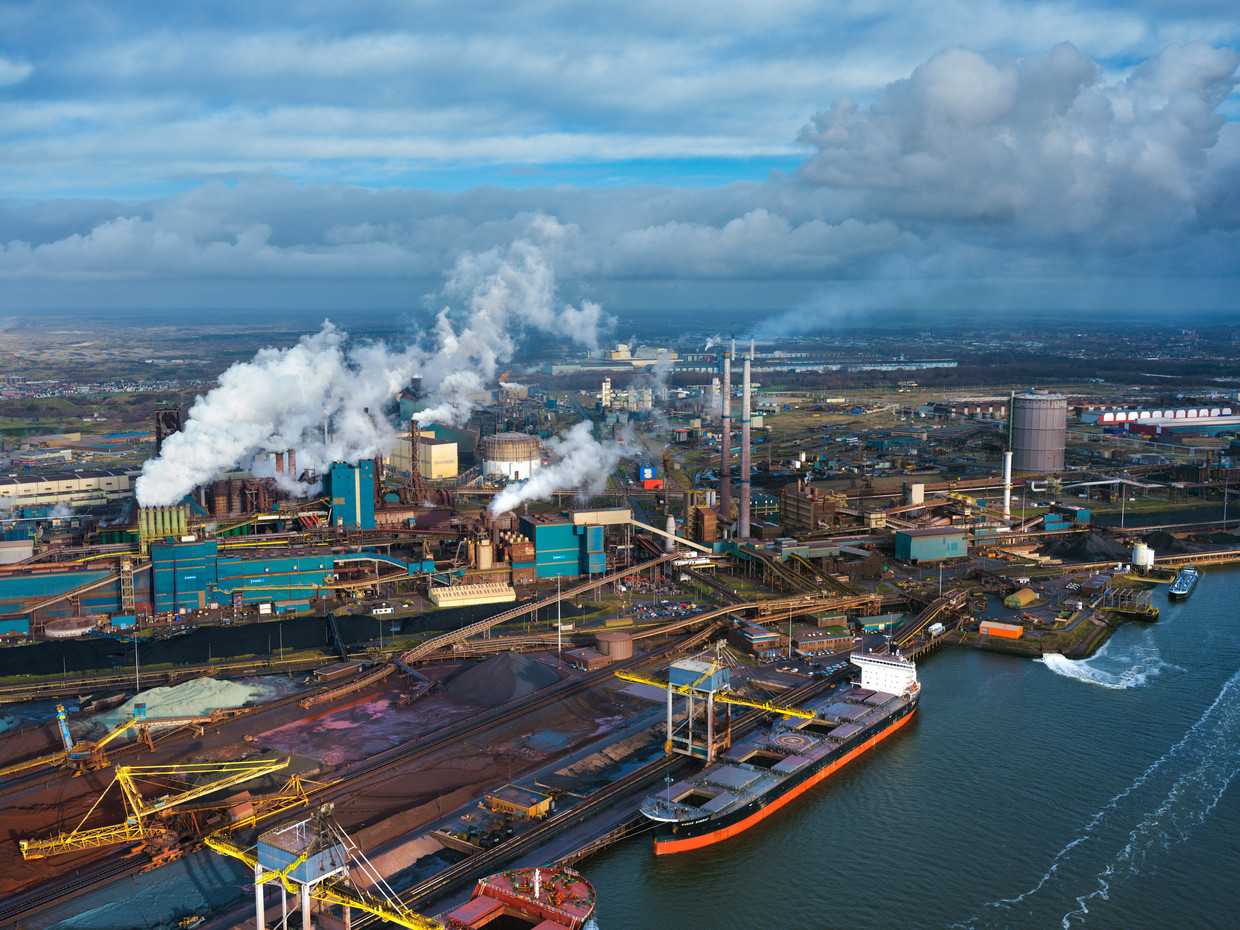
x: 514, y: 455
x: 1039, y: 422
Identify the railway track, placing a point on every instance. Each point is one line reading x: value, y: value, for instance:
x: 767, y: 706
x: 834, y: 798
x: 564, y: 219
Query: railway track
x: 23, y: 905
x: 484, y: 863
x: 58, y: 891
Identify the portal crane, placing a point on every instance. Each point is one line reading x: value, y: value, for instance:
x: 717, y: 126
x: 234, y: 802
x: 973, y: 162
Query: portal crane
x: 325, y: 840
x: 709, y: 683
x: 146, y: 818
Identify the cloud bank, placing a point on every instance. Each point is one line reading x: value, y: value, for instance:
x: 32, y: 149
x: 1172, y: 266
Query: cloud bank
x: 972, y: 167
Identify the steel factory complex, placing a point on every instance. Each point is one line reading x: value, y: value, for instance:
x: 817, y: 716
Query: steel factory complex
x: 334, y: 679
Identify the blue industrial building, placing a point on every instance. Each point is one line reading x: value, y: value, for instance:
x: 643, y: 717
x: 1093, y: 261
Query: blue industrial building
x: 563, y: 548
x: 931, y: 545
x: 351, y: 490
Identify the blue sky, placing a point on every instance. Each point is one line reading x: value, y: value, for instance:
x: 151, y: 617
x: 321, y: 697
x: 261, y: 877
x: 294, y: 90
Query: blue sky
x: 337, y: 155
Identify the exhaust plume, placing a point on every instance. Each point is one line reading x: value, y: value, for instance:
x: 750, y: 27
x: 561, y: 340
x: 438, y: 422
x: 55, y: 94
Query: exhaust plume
x: 324, y: 396
x: 584, y: 464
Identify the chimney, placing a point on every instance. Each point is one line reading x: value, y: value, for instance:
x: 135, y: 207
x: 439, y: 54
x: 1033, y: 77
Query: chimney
x: 742, y: 529
x: 292, y: 463
x: 279, y: 463
x: 725, y: 442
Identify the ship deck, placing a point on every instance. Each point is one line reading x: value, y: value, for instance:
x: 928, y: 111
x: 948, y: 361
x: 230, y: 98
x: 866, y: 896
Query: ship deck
x: 757, y: 764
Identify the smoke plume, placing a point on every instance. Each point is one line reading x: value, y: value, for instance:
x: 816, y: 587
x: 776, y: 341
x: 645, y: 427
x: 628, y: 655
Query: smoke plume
x: 584, y: 464
x: 324, y: 396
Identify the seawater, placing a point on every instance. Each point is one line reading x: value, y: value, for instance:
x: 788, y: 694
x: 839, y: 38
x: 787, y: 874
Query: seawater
x: 1025, y: 794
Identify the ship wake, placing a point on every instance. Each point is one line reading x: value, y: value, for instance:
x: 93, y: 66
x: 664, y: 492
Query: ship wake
x: 1128, y: 670
x: 1128, y: 837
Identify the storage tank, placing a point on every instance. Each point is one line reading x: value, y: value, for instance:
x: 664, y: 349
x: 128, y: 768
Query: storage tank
x: 1142, y: 557
x: 514, y: 455
x: 615, y: 644
x: 70, y: 627
x: 1037, y: 428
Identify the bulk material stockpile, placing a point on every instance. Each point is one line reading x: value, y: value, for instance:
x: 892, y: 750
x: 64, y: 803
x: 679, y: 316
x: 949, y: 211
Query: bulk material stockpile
x: 195, y: 698
x: 502, y: 679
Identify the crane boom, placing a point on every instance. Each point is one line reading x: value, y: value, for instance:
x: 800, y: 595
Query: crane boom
x: 136, y: 827
x: 725, y: 697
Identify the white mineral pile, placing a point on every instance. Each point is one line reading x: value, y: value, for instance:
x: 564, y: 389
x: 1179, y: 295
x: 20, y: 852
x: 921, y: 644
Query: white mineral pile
x: 197, y: 698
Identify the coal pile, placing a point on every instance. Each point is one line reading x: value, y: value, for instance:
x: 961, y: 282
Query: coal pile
x: 1090, y: 547
x: 502, y: 679
x: 1166, y: 544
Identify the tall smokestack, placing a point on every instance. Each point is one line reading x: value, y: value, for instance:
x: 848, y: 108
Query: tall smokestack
x: 743, y: 522
x: 1007, y: 485
x: 725, y: 444
x: 292, y: 462
x: 279, y: 463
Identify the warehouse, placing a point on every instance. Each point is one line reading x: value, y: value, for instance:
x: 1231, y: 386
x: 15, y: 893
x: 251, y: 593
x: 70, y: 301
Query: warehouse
x: 931, y: 545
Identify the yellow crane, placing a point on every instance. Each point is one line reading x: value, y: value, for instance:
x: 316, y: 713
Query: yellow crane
x: 145, y: 819
x: 725, y: 697
x: 82, y: 755
x: 331, y: 890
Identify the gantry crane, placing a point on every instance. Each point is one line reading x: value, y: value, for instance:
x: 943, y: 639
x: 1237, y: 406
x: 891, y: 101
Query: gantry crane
x: 321, y: 867
x: 147, y: 819
x: 709, y: 681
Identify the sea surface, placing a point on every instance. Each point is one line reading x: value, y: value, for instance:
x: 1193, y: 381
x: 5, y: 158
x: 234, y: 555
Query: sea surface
x: 1025, y: 794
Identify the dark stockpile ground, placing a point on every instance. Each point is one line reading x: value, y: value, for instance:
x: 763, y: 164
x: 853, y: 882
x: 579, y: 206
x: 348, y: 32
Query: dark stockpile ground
x: 1091, y: 547
x: 1166, y: 544
x: 504, y: 678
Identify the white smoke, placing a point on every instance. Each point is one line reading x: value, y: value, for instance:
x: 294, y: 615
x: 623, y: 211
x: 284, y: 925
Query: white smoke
x: 311, y: 397
x: 323, y: 397
x: 60, y: 512
x: 584, y: 465
x: 506, y: 291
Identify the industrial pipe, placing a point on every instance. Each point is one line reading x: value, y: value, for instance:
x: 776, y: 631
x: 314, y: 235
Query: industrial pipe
x: 725, y: 445
x: 1007, y: 485
x: 743, y: 521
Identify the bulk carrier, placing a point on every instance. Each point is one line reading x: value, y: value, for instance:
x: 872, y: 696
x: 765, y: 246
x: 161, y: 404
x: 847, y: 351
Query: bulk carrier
x: 760, y: 774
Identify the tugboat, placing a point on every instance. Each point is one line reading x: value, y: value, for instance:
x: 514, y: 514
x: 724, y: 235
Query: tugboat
x: 1184, y: 583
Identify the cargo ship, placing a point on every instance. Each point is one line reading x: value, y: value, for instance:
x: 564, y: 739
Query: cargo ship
x: 760, y: 774
x: 548, y: 898
x: 1184, y: 583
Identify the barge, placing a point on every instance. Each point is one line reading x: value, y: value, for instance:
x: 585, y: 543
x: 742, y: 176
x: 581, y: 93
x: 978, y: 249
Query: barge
x: 767, y: 770
x: 1184, y: 583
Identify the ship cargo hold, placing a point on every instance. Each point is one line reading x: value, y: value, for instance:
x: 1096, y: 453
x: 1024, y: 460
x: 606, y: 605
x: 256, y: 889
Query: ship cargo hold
x: 765, y: 771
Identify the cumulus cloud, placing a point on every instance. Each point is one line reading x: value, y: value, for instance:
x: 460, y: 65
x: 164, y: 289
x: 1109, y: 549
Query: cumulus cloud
x: 974, y: 165
x: 1040, y: 142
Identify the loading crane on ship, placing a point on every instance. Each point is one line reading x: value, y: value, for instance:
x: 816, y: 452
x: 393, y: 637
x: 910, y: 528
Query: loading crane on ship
x: 147, y: 821
x: 709, y: 681
x: 314, y: 859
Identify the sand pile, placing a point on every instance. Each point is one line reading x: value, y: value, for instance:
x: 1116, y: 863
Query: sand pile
x: 1091, y: 547
x: 195, y: 698
x: 502, y: 679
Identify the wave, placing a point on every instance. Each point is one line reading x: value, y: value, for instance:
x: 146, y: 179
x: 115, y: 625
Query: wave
x: 1123, y: 840
x: 1141, y: 670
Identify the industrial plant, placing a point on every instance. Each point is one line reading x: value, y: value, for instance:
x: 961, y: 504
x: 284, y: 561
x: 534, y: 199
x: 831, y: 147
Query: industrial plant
x: 652, y: 603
